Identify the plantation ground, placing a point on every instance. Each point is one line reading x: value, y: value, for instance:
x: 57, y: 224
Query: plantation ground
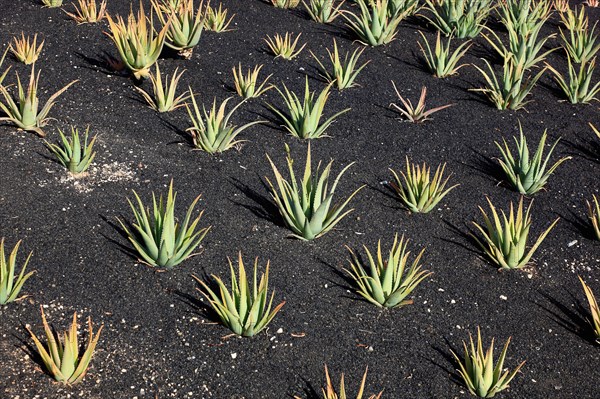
x: 157, y: 338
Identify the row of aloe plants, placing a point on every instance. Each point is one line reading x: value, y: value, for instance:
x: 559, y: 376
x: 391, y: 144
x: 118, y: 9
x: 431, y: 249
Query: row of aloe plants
x: 507, y: 91
x: 162, y: 242
x: 247, y: 309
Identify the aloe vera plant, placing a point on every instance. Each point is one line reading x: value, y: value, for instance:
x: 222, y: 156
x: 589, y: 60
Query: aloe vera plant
x: 525, y: 49
x: 560, y: 5
x: 419, y: 112
x: 524, y: 16
x: 25, y: 50
x: 341, y: 73
x: 373, y: 26
x: 483, y: 376
x: 247, y: 86
x: 594, y: 215
x: 505, y: 242
x: 163, y: 95
x: 441, y: 61
x: 24, y: 112
x: 10, y: 287
x: 418, y: 190
x: 594, y: 309
x: 52, y: 3
x: 578, y: 88
x: 168, y: 6
x: 302, y: 118
x: 184, y: 25
x: 285, y: 3
x: 307, y: 209
x: 88, y: 12
x: 323, y: 11
x: 157, y: 236
x: 406, y: 7
x: 528, y: 175
x: 284, y: 46
x: 61, y: 356
x: 330, y: 392
x: 211, y: 131
x: 510, y: 89
x: 215, y: 19
x: 574, y: 19
x: 71, y: 154
x: 581, y: 44
x: 137, y: 42
x: 388, y: 283
x: 244, y: 309
x: 460, y: 18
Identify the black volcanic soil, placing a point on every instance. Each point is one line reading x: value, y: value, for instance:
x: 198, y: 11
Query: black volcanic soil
x: 157, y: 337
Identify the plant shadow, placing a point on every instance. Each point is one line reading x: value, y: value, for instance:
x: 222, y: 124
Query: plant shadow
x: 573, y: 318
x: 578, y: 224
x: 486, y: 166
x: 194, y: 302
x: 469, y: 242
x: 343, y: 281
x: 125, y: 249
x: 183, y: 134
x: 446, y: 354
x: 263, y: 207
x: 30, y: 350
x: 589, y: 150
x: 388, y: 192
x: 101, y: 63
x: 308, y: 390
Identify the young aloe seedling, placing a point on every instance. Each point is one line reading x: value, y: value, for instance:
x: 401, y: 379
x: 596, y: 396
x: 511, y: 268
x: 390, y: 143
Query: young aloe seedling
x: 526, y: 174
x: 157, y: 236
x: 245, y: 310
x: 418, y: 190
x: 330, y: 392
x: 374, y: 26
x: 71, y: 154
x: 481, y: 376
x: 383, y: 282
x: 163, y: 94
x: 25, y: 50
x: 211, y: 130
x: 88, y: 12
x: 302, y: 118
x: 61, y: 356
x: 185, y: 25
x: 505, y: 240
x: 137, y: 42
x: 216, y: 19
x: 24, y: 111
x: 594, y: 310
x: 10, y: 287
x: 307, y: 208
x: 342, y: 74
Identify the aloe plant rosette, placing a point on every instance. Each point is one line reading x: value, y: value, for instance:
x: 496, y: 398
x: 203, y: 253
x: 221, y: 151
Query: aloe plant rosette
x: 158, y: 238
x: 245, y: 310
x: 307, y: 209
